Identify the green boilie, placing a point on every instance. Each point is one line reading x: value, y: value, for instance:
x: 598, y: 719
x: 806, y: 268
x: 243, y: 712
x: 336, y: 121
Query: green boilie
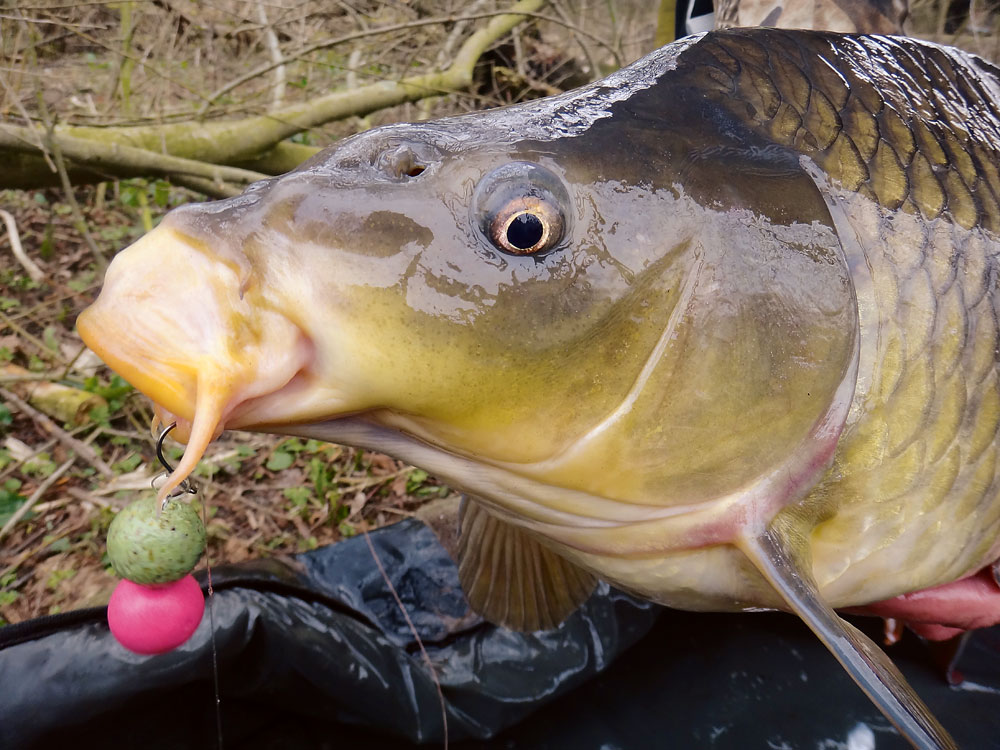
x: 149, y: 548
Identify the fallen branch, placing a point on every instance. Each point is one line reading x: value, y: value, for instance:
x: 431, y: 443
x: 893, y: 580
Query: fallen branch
x: 226, y: 141
x: 210, y: 188
x: 64, y: 403
x: 125, y: 160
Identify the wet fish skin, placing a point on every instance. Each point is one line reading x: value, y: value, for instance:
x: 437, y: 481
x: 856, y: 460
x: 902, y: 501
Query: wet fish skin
x: 907, y: 141
x: 757, y: 369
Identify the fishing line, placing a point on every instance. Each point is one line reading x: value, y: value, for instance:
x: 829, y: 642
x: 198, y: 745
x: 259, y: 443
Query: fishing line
x: 416, y: 635
x: 187, y: 487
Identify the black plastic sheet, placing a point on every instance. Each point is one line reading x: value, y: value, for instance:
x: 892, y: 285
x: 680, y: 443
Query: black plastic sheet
x: 319, y: 638
x: 757, y: 682
x: 314, y: 653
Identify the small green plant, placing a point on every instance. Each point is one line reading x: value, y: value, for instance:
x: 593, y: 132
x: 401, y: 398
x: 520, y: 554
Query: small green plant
x: 10, y: 499
x: 94, y: 64
x: 129, y: 463
x: 280, y: 460
x: 83, y: 281
x: 56, y: 545
x: 41, y: 465
x: 116, y: 392
x: 8, y: 597
x: 57, y: 577
x: 299, y: 497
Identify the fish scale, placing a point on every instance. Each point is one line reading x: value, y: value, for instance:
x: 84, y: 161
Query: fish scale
x: 833, y: 121
x: 886, y: 161
x: 928, y: 425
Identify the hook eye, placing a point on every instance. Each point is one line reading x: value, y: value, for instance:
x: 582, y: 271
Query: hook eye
x: 185, y: 487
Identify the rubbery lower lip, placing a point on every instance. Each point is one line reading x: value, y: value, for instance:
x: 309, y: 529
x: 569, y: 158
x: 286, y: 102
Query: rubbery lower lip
x: 192, y: 338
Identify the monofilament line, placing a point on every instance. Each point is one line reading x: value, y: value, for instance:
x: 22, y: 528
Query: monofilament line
x: 416, y: 636
x: 188, y: 487
x: 211, y: 624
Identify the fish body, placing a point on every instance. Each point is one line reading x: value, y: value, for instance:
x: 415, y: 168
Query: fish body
x: 720, y: 329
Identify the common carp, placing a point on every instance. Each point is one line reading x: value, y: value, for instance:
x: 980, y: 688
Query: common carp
x: 720, y: 329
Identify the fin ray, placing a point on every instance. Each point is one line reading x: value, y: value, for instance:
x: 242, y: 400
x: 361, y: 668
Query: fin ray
x: 864, y: 661
x: 513, y: 580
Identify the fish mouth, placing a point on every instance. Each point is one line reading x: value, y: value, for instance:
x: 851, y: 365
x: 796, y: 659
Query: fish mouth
x: 208, y: 350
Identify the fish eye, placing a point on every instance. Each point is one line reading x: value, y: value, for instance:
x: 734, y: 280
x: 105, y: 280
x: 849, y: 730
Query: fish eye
x: 526, y: 226
x: 519, y: 208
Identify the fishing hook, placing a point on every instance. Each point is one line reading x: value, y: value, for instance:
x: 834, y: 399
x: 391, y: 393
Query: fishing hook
x: 184, y: 487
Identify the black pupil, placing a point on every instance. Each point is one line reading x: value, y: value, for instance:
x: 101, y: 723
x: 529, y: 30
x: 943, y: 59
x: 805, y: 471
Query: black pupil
x: 524, y: 231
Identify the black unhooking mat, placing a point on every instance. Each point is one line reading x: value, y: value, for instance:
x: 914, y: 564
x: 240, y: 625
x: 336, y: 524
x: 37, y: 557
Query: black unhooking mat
x: 315, y: 653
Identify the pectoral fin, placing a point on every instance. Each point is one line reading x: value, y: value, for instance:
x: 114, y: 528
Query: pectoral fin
x: 782, y: 558
x: 512, y: 580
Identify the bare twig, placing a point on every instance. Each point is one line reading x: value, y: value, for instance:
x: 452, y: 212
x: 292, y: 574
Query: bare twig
x: 278, y: 92
x: 87, y: 497
x: 53, y: 505
x: 81, y: 449
x: 30, y: 376
x: 546, y: 88
x: 520, y: 9
x: 24, y: 334
x: 353, y: 64
x: 78, y: 219
x: 54, y: 149
x: 34, y: 272
x: 36, y: 495
x: 595, y: 69
x: 69, y: 365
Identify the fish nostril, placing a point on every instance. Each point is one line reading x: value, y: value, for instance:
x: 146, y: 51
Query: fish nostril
x: 403, y: 163
x: 406, y: 160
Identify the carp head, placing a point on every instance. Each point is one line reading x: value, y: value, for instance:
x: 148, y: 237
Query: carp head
x: 609, y: 313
